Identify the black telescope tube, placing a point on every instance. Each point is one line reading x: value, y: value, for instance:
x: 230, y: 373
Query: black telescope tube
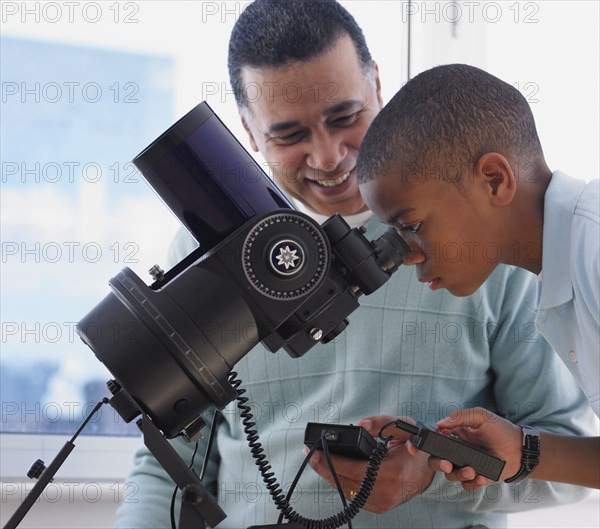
x: 207, y: 179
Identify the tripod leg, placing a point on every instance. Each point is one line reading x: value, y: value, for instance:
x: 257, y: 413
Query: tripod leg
x: 204, y: 508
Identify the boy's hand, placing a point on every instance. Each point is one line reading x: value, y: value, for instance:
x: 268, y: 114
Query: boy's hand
x: 483, y: 428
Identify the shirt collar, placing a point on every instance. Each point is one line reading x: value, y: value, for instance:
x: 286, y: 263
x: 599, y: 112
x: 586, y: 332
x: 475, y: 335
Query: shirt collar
x: 355, y: 221
x: 560, y: 201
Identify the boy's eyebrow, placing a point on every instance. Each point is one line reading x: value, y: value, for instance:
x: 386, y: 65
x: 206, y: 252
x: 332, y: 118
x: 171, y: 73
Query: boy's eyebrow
x: 395, y: 216
x: 342, y: 106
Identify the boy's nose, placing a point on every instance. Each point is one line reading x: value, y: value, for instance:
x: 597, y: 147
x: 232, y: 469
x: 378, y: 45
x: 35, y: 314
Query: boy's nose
x: 416, y: 256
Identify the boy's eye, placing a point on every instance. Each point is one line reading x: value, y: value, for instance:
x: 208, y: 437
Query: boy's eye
x: 410, y: 228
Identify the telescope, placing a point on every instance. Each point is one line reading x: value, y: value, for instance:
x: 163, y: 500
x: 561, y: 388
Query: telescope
x: 263, y: 270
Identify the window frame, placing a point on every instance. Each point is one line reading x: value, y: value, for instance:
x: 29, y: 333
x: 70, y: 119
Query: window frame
x: 95, y: 457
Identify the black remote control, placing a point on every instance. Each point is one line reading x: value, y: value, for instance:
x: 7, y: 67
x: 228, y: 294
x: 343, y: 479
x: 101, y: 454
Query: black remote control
x: 346, y: 440
x: 450, y: 447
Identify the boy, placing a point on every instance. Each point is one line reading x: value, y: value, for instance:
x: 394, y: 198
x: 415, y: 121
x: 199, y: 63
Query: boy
x: 454, y: 162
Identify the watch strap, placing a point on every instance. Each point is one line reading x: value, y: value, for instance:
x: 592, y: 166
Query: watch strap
x: 530, y: 457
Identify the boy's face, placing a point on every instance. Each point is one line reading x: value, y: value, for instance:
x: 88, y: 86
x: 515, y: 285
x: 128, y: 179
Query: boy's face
x: 308, y: 120
x: 449, y: 226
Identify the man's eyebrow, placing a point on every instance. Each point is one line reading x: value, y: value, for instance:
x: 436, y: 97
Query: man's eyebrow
x: 342, y: 106
x: 282, y: 126
x: 396, y: 215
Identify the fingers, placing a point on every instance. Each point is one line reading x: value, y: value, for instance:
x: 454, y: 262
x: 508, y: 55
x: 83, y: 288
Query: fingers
x: 350, y: 471
x: 440, y: 465
x: 476, y: 483
x: 374, y: 425
x: 473, y: 484
x: 452, y: 473
x: 411, y: 448
x: 471, y: 417
x: 349, y: 476
x: 469, y: 479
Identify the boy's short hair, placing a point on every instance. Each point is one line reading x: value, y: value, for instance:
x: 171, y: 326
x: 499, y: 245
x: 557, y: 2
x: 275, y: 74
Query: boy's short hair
x: 441, y: 122
x: 273, y: 33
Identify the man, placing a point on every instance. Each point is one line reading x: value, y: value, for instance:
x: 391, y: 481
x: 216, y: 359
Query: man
x: 406, y: 352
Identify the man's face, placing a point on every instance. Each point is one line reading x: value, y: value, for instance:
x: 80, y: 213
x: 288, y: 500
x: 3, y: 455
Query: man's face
x: 308, y: 120
x: 449, y: 226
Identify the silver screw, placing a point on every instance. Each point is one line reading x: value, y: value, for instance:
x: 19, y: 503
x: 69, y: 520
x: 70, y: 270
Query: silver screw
x: 157, y: 273
x: 316, y: 334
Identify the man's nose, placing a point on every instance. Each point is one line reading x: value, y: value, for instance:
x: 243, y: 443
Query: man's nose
x: 326, y: 152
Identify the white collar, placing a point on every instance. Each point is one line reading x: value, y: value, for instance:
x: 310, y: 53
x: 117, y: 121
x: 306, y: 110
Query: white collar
x: 355, y: 221
x: 560, y: 202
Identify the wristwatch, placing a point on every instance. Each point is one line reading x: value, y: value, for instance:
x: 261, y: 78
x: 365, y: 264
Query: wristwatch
x: 531, y: 454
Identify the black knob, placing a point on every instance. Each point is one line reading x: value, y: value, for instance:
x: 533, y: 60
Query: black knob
x: 36, y: 469
x: 335, y: 331
x: 113, y: 386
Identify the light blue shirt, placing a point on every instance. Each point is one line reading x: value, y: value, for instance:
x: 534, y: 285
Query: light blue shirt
x: 569, y: 293
x: 407, y: 351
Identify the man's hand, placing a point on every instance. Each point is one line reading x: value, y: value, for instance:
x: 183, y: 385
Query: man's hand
x: 483, y: 428
x: 400, y: 477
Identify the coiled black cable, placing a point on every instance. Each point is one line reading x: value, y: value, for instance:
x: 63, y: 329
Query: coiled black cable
x: 322, y: 444
x: 275, y: 490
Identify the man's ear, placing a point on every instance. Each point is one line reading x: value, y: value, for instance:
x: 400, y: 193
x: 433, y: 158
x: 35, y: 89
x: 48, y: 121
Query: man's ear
x: 253, y: 143
x: 377, y: 83
x: 499, y: 177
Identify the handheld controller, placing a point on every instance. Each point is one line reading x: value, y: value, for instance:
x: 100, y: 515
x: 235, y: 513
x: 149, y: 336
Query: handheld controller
x: 449, y: 447
x: 346, y: 440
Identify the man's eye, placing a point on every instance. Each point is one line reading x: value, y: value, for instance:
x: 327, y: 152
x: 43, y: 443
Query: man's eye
x: 345, y: 120
x: 290, y: 138
x: 411, y: 228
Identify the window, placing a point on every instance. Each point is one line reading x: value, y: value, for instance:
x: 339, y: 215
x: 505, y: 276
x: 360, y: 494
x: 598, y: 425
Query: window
x: 84, y: 89
x: 74, y: 211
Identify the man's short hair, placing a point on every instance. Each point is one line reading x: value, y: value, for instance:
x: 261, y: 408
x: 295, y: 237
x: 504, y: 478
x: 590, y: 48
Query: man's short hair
x: 441, y: 122
x: 273, y: 33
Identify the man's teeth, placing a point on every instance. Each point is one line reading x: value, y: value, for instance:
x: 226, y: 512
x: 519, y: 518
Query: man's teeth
x: 333, y: 183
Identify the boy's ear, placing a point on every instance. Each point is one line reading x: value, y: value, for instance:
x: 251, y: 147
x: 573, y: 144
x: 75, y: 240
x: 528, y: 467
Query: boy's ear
x: 499, y: 177
x: 253, y: 143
